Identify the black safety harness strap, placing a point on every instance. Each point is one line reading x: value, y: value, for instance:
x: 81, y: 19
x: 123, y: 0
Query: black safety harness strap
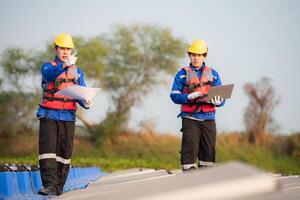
x: 59, y: 99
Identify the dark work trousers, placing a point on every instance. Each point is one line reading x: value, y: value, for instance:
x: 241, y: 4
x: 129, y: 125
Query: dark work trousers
x: 55, y: 151
x: 198, y: 141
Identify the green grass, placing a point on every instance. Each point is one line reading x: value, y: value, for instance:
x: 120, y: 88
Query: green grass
x: 261, y: 157
x: 106, y: 164
x: 158, y: 152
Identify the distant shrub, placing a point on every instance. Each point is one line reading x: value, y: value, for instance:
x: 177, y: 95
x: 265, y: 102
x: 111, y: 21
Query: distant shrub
x: 294, y: 144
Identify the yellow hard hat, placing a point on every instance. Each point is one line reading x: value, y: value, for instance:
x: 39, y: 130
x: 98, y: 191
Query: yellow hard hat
x: 64, y: 40
x: 198, y: 47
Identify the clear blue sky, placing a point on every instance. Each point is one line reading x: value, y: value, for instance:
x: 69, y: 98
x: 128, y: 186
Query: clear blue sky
x: 247, y: 40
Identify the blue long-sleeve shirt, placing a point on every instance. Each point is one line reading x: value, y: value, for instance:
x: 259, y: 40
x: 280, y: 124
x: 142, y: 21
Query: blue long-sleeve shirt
x: 178, y: 97
x: 49, y: 74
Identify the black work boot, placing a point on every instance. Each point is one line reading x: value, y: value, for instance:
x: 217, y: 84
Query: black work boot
x: 48, y: 191
x: 59, y: 191
x: 189, y: 169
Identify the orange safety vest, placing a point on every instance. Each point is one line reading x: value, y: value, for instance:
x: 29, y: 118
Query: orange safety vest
x: 194, y: 84
x: 55, y: 101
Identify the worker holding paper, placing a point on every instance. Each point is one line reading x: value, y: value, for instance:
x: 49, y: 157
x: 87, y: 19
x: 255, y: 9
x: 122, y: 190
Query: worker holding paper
x: 57, y: 115
x: 190, y: 87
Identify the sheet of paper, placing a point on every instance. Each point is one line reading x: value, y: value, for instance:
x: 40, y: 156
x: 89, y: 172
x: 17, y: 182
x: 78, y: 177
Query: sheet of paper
x: 79, y: 92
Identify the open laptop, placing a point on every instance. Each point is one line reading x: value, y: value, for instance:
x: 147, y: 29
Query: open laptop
x: 223, y: 91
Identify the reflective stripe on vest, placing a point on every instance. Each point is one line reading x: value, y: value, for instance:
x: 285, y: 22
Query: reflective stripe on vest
x: 202, y: 85
x: 55, y: 101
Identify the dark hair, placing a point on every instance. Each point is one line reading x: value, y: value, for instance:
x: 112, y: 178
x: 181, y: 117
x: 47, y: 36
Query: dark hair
x: 204, y: 54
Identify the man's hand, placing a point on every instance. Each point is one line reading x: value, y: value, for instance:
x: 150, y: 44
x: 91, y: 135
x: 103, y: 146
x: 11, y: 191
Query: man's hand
x: 88, y: 103
x: 193, y: 95
x: 71, y: 60
x: 216, y: 100
x: 72, y: 71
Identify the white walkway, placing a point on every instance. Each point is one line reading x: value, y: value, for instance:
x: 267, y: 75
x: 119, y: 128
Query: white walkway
x: 232, y: 180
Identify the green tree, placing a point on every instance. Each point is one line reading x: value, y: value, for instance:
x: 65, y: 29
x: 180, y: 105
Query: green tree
x: 127, y: 63
x: 138, y: 59
x: 16, y: 113
x: 18, y: 94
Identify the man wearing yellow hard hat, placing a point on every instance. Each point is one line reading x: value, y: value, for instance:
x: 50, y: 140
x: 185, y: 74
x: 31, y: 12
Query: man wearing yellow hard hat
x: 57, y: 115
x: 190, y: 87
